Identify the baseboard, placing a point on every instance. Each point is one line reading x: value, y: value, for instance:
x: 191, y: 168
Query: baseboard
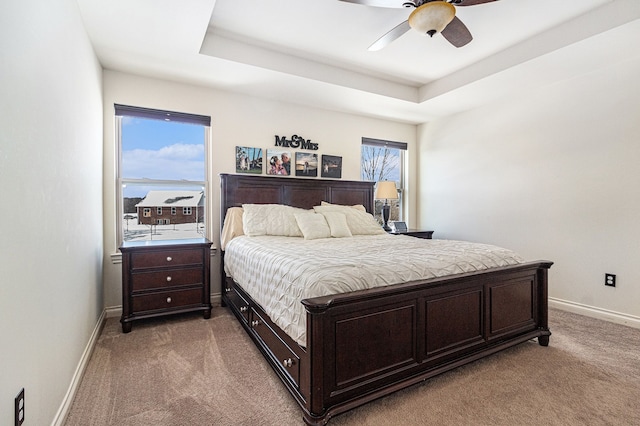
x: 593, y: 312
x: 76, y: 379
x: 113, y: 311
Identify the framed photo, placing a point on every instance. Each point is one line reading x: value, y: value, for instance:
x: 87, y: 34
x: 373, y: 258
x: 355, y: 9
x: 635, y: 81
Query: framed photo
x: 399, y: 226
x: 306, y: 164
x: 331, y: 166
x: 278, y: 162
x: 248, y: 160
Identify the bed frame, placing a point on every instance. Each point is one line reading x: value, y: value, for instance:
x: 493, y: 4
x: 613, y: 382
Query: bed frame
x: 367, y: 344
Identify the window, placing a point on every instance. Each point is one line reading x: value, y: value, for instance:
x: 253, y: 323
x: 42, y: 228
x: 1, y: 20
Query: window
x: 384, y: 160
x: 186, y: 210
x: 161, y: 166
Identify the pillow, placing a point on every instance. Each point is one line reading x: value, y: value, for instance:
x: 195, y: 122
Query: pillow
x: 360, y: 223
x: 357, y: 206
x: 232, y: 226
x: 312, y: 225
x: 270, y: 219
x: 337, y: 224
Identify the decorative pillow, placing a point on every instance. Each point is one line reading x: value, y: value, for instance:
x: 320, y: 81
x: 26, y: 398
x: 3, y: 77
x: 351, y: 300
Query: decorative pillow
x: 270, y: 219
x: 313, y: 225
x: 338, y: 224
x: 232, y: 226
x: 357, y: 206
x: 360, y: 223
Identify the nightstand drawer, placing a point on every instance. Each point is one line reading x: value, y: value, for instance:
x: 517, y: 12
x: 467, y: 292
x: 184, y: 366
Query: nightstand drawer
x: 167, y: 300
x: 168, y: 258
x: 165, y: 279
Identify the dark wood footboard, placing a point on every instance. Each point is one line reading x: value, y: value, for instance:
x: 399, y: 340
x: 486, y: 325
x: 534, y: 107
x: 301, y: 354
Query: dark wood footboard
x: 367, y: 344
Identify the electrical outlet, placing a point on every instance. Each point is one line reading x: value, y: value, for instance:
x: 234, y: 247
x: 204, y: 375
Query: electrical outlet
x: 19, y: 404
x: 610, y: 280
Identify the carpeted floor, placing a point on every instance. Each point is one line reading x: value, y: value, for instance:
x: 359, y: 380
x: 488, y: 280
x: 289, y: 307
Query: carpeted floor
x: 189, y: 371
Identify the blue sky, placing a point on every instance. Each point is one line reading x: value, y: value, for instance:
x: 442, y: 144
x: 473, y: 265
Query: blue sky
x: 157, y: 149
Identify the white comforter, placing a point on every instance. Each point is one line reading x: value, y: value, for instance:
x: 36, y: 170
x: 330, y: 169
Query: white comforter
x: 279, y: 272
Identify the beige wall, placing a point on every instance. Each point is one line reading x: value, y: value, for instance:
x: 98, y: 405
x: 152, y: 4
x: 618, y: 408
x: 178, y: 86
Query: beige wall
x: 50, y: 162
x: 553, y: 174
x: 235, y: 120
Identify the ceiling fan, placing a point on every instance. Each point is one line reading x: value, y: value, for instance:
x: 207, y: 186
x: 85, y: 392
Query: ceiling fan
x: 429, y: 17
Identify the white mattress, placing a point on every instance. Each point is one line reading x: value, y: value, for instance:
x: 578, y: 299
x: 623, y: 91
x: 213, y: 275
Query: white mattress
x: 279, y: 272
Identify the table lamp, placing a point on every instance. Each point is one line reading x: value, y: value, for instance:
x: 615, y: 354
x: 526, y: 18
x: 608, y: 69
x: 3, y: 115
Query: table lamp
x: 386, y: 190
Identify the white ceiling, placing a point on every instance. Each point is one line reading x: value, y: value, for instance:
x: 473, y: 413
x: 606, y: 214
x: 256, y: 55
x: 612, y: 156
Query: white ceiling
x: 314, y: 52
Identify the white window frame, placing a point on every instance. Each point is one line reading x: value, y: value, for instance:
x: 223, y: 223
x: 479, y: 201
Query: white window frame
x: 121, y: 182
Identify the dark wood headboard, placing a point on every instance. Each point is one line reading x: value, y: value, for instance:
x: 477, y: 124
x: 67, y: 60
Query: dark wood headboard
x: 304, y: 193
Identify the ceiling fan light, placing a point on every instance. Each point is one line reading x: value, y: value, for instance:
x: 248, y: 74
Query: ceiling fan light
x: 432, y: 17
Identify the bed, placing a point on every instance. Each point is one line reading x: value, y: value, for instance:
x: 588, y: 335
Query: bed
x: 357, y: 346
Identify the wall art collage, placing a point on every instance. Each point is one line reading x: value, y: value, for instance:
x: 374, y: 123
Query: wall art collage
x: 285, y: 162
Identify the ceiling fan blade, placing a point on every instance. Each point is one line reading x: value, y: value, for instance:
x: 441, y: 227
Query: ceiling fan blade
x: 379, y: 3
x: 390, y: 36
x: 469, y: 2
x: 457, y: 33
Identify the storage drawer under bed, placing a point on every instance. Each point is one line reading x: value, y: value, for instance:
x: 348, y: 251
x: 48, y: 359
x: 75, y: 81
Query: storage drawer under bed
x: 279, y: 349
x: 238, y: 301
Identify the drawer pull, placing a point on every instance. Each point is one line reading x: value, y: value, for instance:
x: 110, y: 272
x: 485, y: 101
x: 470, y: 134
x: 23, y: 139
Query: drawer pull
x: 244, y: 308
x: 255, y: 323
x: 168, y: 300
x: 287, y: 362
x: 168, y: 278
x: 169, y: 259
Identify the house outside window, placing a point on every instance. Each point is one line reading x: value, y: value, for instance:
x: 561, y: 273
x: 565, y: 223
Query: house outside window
x: 192, y: 203
x: 162, y: 167
x: 383, y: 160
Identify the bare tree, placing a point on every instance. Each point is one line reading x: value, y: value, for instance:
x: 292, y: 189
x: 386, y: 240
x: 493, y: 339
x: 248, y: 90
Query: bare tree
x: 377, y: 163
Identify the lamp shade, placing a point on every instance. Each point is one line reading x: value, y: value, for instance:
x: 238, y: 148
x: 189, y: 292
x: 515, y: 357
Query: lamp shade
x: 386, y: 190
x: 432, y: 17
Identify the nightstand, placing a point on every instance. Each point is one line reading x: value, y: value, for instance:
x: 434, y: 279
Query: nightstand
x: 164, y: 277
x: 418, y: 233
